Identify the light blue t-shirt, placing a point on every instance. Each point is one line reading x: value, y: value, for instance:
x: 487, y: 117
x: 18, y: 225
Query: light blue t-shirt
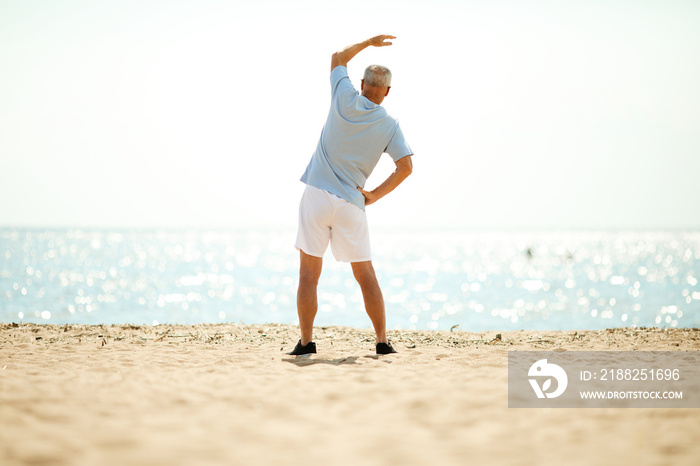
x: 356, y: 134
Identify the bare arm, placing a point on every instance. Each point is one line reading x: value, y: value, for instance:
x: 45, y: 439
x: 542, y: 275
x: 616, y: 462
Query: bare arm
x: 342, y: 57
x: 404, y: 167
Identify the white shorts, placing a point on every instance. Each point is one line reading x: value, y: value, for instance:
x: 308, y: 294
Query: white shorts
x: 324, y: 218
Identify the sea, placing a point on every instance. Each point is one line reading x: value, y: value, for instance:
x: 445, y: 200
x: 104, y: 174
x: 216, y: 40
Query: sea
x: 431, y: 279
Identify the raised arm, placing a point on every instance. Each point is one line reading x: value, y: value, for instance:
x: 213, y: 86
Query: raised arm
x: 404, y: 167
x: 342, y: 57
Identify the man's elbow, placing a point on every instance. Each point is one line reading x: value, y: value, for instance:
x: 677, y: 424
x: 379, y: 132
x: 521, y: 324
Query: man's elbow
x: 406, y: 165
x: 337, y: 60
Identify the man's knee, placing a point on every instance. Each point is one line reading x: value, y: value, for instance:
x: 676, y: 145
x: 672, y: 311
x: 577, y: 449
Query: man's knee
x: 309, y: 270
x: 364, y: 273
x: 308, y: 277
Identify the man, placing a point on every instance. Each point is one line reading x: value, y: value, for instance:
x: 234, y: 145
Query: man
x: 358, y: 130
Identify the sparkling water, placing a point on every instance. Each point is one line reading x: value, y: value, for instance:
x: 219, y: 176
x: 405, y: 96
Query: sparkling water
x: 430, y: 279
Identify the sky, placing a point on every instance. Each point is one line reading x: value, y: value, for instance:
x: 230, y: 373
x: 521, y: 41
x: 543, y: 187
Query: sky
x: 204, y: 114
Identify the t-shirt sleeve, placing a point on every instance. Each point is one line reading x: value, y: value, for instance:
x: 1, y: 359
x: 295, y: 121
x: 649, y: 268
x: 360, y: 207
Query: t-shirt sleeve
x: 340, y: 82
x: 398, y: 148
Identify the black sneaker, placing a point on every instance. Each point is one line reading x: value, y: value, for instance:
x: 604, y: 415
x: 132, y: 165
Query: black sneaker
x: 385, y: 348
x: 300, y: 349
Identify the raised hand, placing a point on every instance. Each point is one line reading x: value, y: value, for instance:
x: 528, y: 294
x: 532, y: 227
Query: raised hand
x: 342, y: 57
x: 379, y: 41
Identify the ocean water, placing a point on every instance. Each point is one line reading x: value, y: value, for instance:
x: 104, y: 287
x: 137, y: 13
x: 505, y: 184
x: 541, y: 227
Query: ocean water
x: 431, y: 279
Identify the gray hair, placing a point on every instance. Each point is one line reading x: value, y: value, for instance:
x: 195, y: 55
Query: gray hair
x: 378, y: 76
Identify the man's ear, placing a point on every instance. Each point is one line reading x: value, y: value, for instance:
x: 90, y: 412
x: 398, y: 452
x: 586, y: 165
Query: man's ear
x: 362, y: 85
x: 387, y: 91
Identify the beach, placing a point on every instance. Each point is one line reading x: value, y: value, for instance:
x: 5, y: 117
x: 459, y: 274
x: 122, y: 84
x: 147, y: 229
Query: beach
x: 229, y: 394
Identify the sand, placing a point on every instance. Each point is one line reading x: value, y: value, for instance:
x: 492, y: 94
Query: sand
x: 228, y: 394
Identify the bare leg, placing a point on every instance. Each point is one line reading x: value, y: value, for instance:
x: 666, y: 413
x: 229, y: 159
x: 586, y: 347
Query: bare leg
x: 372, y: 294
x: 307, y: 301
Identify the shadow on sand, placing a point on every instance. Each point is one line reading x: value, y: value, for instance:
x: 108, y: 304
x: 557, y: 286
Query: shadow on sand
x: 309, y: 361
